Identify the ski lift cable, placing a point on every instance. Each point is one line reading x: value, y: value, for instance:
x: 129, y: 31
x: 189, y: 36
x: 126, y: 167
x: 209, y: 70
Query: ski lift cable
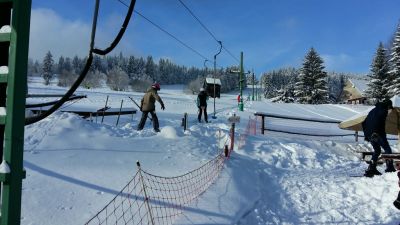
x: 208, y: 30
x: 89, y: 60
x: 166, y: 32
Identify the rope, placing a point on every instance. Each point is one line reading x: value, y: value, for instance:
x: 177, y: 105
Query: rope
x: 152, y: 199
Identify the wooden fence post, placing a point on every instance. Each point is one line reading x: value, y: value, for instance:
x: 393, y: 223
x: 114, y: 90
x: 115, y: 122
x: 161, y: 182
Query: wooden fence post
x: 146, y: 198
x: 262, y: 125
x: 356, y: 134
x: 105, y: 107
x: 119, y: 113
x: 232, y: 136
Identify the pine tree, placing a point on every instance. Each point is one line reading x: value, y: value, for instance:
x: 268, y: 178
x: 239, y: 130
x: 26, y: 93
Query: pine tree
x: 151, y: 69
x: 394, y: 73
x: 60, y: 65
x: 48, y: 68
x: 379, y: 74
x: 312, y: 85
x: 131, y: 67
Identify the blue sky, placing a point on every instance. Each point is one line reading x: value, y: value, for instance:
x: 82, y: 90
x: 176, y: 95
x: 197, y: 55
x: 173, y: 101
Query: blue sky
x: 272, y: 33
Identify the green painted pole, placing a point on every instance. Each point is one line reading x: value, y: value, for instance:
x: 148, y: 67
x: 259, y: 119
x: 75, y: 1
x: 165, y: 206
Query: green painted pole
x: 15, y: 112
x: 252, y: 97
x: 241, y: 82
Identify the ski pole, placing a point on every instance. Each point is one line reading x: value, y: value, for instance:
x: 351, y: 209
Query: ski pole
x: 133, y: 100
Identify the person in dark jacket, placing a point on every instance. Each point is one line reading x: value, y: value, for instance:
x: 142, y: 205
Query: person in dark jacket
x: 396, y: 203
x: 147, y: 105
x: 374, y: 132
x: 202, y: 98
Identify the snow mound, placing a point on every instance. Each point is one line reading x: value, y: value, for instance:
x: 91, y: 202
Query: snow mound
x: 169, y: 132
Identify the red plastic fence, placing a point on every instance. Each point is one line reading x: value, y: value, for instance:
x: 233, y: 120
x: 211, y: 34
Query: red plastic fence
x: 250, y: 129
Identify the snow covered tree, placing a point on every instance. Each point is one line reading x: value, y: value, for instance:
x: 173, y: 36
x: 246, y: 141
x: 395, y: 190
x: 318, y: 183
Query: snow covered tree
x: 312, y: 85
x: 285, y: 95
x: 66, y: 78
x: 378, y: 77
x: 47, y: 70
x: 394, y: 73
x: 151, y: 70
x: 60, y: 65
x: 93, y: 79
x: 77, y: 64
x: 117, y: 79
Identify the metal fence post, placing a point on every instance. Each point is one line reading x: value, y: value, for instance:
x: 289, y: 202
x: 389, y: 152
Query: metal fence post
x: 146, y: 198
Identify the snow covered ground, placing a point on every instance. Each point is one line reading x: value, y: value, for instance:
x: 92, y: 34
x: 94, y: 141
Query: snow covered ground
x: 75, y: 167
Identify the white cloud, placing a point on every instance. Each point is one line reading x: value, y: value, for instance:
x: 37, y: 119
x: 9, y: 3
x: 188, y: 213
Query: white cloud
x: 51, y: 32
x: 337, y: 62
x: 60, y: 36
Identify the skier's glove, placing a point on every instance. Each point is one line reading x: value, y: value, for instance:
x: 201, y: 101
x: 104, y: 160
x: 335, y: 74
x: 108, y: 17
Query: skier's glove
x: 162, y: 106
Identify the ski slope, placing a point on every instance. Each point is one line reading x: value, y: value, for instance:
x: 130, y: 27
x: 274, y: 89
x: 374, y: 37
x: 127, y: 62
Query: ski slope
x: 75, y: 167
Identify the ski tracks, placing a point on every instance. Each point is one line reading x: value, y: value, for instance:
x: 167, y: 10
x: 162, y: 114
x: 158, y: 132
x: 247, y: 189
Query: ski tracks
x: 34, y: 135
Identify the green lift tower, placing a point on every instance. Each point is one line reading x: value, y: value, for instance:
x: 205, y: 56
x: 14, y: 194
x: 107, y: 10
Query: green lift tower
x: 14, y: 45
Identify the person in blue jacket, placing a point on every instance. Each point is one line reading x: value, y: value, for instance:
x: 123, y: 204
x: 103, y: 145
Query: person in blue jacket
x: 201, y: 101
x: 374, y: 132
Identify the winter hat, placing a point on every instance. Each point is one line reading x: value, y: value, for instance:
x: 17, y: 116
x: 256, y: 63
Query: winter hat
x: 388, y: 103
x: 201, y: 89
x: 156, y: 86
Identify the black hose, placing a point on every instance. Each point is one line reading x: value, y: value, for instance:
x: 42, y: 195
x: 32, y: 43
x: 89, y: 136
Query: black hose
x: 120, y: 33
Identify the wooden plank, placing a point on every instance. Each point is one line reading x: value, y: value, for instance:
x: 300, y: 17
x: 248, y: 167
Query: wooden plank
x: 86, y: 114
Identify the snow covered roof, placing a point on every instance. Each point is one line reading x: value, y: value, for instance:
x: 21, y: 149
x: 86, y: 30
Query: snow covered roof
x: 210, y: 80
x: 360, y: 85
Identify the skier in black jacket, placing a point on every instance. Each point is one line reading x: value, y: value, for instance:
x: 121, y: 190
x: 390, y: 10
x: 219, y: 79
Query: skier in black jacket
x: 202, y: 98
x: 374, y: 132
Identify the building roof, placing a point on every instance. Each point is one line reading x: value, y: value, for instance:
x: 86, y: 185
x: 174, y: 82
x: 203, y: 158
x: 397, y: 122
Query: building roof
x: 210, y: 80
x: 360, y: 85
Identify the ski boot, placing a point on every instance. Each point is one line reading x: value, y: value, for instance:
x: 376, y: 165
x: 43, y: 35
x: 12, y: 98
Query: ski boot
x: 389, y: 166
x: 372, y: 171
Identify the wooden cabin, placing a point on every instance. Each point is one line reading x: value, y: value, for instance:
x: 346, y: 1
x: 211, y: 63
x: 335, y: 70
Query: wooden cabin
x: 209, y: 85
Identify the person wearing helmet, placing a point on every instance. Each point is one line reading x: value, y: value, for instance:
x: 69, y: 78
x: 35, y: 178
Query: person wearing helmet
x: 201, y: 101
x: 147, y: 105
x: 375, y: 133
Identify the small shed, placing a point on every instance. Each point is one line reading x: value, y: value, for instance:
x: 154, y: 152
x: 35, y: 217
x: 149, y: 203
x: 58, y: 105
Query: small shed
x: 209, y: 85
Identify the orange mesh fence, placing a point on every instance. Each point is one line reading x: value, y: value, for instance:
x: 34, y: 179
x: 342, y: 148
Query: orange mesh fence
x: 151, y: 199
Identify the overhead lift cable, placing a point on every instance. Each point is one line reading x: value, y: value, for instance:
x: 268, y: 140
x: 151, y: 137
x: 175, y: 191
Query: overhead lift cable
x: 166, y: 32
x: 88, y: 63
x: 205, y: 28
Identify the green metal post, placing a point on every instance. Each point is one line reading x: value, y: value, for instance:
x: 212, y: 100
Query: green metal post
x: 252, y: 97
x: 241, y: 82
x: 15, y: 110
